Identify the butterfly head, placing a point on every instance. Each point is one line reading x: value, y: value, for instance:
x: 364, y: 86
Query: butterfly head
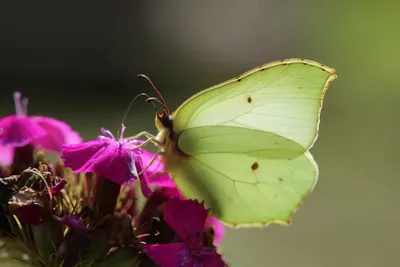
x: 164, y: 119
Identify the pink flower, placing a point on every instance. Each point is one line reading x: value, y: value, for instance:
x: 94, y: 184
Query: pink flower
x: 213, y: 225
x: 57, y: 188
x: 115, y: 159
x: 20, y: 130
x: 58, y: 133
x: 187, y: 218
x: 73, y: 222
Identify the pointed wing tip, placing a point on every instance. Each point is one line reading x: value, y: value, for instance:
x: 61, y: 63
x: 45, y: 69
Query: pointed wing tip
x: 303, y: 61
x: 332, y: 78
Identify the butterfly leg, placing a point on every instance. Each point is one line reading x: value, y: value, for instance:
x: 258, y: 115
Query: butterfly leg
x: 149, y: 140
x: 150, y: 163
x: 143, y: 133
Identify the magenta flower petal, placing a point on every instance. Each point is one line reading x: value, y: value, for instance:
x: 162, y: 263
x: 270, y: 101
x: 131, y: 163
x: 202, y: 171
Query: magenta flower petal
x: 144, y: 184
x: 213, y: 260
x: 116, y: 160
x: 166, y: 255
x: 116, y: 163
x: 186, y: 217
x: 213, y: 223
x: 154, y: 172
x: 78, y: 157
x: 104, y: 156
x: 73, y: 222
x: 218, y: 229
x: 162, y: 180
x: 58, y: 133
x: 58, y: 187
x: 157, y: 165
x: 173, y: 192
x: 108, y: 157
x: 6, y: 155
x: 19, y: 130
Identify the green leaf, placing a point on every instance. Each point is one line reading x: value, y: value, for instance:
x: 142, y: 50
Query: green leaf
x: 12, y: 253
x: 98, y: 246
x: 48, y: 237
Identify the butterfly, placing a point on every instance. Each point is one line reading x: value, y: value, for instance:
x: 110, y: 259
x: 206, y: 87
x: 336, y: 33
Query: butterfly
x: 242, y: 146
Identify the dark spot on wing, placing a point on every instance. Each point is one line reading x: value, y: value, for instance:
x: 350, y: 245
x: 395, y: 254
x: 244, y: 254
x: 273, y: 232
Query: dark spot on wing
x: 249, y: 99
x: 254, y: 166
x: 239, y: 80
x: 280, y: 179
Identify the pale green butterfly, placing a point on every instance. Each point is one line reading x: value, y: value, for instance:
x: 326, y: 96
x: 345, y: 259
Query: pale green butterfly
x: 242, y: 146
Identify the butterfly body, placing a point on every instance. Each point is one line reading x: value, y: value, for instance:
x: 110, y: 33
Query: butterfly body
x: 171, y: 155
x: 242, y: 146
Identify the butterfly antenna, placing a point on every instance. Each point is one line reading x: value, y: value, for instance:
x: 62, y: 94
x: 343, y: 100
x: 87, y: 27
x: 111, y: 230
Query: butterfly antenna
x: 154, y: 99
x: 161, y: 98
x: 129, y: 108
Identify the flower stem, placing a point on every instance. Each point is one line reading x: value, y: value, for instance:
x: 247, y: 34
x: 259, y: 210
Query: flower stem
x: 106, y: 196
x: 23, y: 158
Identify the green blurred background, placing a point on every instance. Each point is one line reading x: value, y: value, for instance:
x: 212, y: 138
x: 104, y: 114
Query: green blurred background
x: 78, y: 63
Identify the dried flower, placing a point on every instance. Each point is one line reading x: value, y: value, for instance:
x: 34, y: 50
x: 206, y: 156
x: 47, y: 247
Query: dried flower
x: 20, y: 130
x: 187, y: 218
x: 29, y: 205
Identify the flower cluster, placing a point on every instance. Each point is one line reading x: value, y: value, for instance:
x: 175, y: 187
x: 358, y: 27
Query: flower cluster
x: 83, y: 209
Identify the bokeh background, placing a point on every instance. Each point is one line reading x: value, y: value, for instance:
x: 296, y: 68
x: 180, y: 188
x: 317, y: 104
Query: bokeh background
x: 78, y: 62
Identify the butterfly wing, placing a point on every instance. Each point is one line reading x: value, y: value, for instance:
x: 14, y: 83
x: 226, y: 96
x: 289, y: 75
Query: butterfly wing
x: 247, y: 142
x: 245, y: 176
x: 283, y: 97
